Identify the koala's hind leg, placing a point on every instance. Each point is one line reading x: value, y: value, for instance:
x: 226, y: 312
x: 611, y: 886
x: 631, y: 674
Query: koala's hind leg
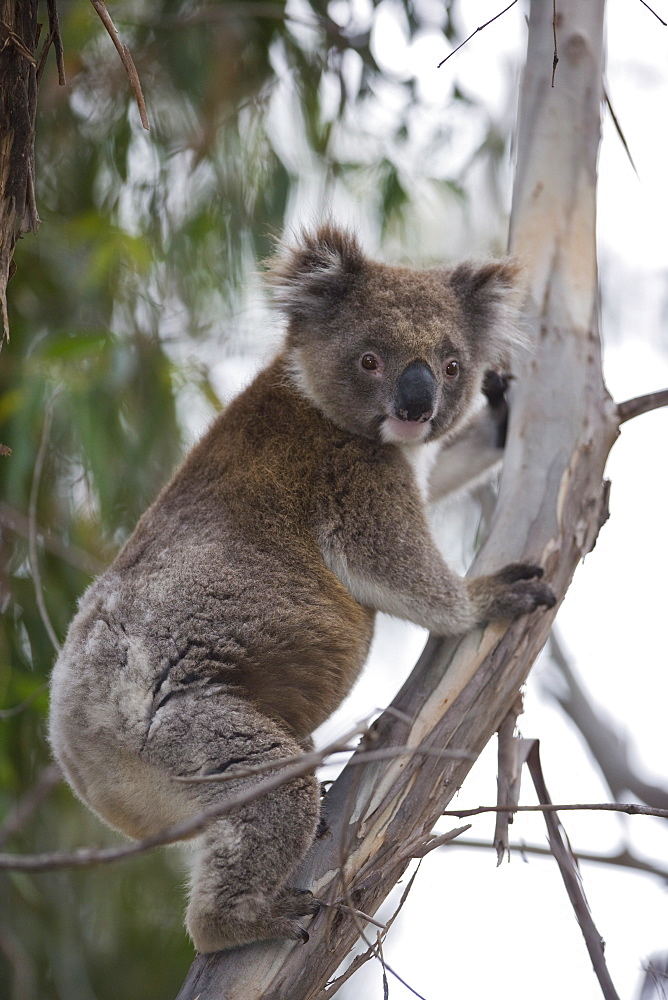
x: 240, y: 881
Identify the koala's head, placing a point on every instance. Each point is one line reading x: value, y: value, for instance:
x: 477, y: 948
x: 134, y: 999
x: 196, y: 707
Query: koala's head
x: 391, y: 353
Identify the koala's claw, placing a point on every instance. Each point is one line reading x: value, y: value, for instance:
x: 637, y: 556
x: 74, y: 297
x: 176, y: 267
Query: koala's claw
x: 533, y: 595
x: 519, y: 571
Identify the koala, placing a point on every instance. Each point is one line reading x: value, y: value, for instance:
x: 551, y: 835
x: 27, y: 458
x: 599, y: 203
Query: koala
x: 241, y: 610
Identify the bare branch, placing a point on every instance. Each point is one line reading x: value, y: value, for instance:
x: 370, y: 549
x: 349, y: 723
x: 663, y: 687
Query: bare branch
x: 32, y: 524
x: 555, y: 57
x: 87, y: 856
x: 288, y: 768
x: 570, y: 873
x: 641, y: 404
x: 618, y: 128
x: 623, y: 859
x: 440, y: 840
x: 126, y: 59
x: 54, y: 36
x: 361, y: 757
x: 482, y: 26
x: 509, y: 768
x: 651, y: 9
x: 13, y: 38
x: 630, y: 808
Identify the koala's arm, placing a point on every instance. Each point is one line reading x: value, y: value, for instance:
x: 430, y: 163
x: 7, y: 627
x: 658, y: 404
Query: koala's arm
x: 383, y: 552
x: 473, y: 453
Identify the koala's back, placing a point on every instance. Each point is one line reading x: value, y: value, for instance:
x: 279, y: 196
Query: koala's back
x: 221, y: 588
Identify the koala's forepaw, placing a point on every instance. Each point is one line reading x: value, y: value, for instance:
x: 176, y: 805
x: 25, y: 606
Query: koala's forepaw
x: 495, y: 386
x: 322, y: 830
x: 521, y: 598
x: 526, y: 596
x: 515, y: 590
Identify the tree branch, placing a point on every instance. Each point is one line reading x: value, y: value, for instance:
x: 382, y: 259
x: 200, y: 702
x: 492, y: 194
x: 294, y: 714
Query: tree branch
x: 641, y: 404
x: 630, y: 808
x: 288, y: 768
x: 32, y: 525
x: 126, y: 59
x: 623, y: 859
x: 480, y: 28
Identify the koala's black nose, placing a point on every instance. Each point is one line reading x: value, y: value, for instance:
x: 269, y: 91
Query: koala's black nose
x: 416, y: 391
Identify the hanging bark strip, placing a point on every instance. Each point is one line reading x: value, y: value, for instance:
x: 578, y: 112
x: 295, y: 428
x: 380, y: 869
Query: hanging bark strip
x: 18, y: 100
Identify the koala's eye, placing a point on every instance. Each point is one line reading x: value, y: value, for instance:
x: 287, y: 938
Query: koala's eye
x: 451, y: 368
x: 369, y: 362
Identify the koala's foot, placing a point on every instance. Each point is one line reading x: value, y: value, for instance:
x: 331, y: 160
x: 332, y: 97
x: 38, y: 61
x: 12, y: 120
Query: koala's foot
x: 251, y: 918
x: 515, y: 590
x: 291, y: 902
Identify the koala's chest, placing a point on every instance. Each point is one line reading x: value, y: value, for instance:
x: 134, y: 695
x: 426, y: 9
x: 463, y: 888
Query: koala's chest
x: 421, y: 458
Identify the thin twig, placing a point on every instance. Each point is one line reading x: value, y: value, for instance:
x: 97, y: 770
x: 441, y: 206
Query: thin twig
x: 54, y: 35
x: 482, y: 26
x: 32, y: 523
x: 372, y: 947
x: 641, y: 404
x: 361, y: 757
x: 351, y: 909
x: 570, y: 873
x: 624, y: 859
x: 630, y: 808
x: 618, y: 127
x: 12, y: 37
x: 555, y: 57
x: 87, y: 856
x: 509, y: 773
x: 440, y: 840
x: 126, y: 59
x: 664, y: 23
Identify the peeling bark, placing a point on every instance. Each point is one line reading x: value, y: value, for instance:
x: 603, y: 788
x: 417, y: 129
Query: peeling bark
x: 552, y: 502
x: 18, y: 96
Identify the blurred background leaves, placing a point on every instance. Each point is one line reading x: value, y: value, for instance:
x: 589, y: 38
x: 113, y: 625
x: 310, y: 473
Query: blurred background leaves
x: 124, y: 309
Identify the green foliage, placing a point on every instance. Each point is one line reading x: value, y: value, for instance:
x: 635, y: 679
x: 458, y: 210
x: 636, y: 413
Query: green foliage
x: 138, y: 271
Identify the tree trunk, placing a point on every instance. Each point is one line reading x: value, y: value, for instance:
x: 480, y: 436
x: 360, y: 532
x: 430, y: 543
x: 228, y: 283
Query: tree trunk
x: 18, y: 97
x: 552, y: 502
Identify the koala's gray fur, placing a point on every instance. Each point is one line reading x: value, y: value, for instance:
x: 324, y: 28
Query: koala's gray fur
x: 241, y: 610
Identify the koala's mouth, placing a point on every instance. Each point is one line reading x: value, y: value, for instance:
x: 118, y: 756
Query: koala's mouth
x: 393, y: 430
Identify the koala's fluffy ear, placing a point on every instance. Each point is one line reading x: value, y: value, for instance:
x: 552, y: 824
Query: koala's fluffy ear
x: 490, y: 297
x: 318, y: 270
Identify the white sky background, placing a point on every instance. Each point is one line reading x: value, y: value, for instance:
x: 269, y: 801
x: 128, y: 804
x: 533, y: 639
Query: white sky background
x: 470, y: 929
